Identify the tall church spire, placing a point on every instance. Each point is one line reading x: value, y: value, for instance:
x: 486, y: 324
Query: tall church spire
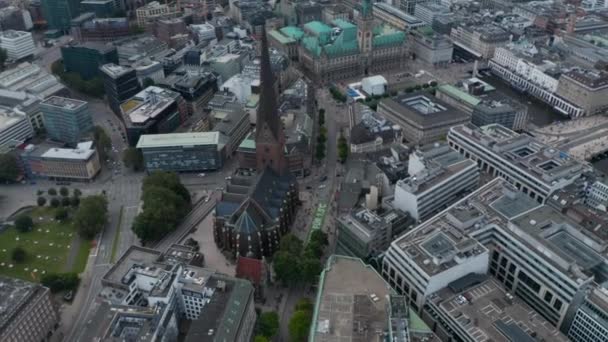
x: 269, y: 135
x: 267, y: 110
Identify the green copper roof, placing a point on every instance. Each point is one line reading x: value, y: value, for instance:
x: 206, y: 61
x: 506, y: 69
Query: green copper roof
x: 292, y: 32
x: 317, y: 27
x: 343, y: 24
x: 278, y: 36
x: 312, y: 44
x: 389, y: 39
x: 426, y: 30
x: 459, y: 94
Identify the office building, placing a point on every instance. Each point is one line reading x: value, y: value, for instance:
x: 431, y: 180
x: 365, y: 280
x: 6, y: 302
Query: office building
x: 182, y: 152
x: 534, y: 168
x: 15, y: 128
x: 196, y: 89
x: 587, y: 89
x: 233, y: 125
x: 479, y: 41
x: 432, y: 48
x: 423, y: 118
x: 395, y: 17
x: 409, y: 6
x: 101, y: 8
x: 438, y: 176
x: 27, y: 314
x: 16, y: 18
x: 540, y: 255
x: 368, y: 310
x: 18, y: 44
x: 485, y: 105
x: 57, y: 163
x: 120, y: 84
x: 87, y: 28
x: 147, y: 294
x: 364, y: 233
x: 332, y: 12
x: 471, y: 308
x: 591, y: 318
x: 148, y: 69
x: 361, y: 48
x: 58, y: 13
x: 153, y: 111
x: 85, y: 59
x: 66, y: 120
x: 150, y: 12
x: 597, y: 195
x: 428, y: 11
x: 33, y: 80
x: 172, y: 31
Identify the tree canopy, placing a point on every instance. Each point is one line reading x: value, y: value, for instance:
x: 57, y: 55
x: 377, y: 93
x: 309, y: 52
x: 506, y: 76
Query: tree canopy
x: 24, y: 223
x: 102, y: 141
x: 166, y: 202
x: 9, y: 169
x: 268, y: 324
x: 60, y: 281
x: 18, y: 255
x: 91, y: 216
x: 133, y: 158
x: 299, y: 324
x: 294, y: 264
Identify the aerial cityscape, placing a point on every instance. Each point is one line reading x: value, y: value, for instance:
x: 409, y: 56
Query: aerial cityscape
x: 303, y: 171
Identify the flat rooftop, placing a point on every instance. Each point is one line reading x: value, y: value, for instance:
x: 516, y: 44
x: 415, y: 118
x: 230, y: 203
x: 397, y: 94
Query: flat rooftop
x: 68, y: 153
x: 9, y: 118
x: 133, y: 256
x: 489, y: 315
x: 345, y: 309
x: 546, y: 164
x: 433, y: 177
x: 64, y: 103
x: 423, y: 109
x: 178, y: 139
x: 14, y: 293
x: 114, y: 70
x: 12, y: 34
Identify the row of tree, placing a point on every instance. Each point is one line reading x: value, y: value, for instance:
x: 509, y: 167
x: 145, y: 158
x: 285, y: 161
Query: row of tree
x: 342, y: 148
x: 337, y: 94
x: 91, y: 216
x: 295, y: 264
x: 133, y: 158
x: 9, y: 168
x: 165, y: 203
x: 321, y: 137
x: 299, y: 324
x: 267, y: 326
x: 102, y: 142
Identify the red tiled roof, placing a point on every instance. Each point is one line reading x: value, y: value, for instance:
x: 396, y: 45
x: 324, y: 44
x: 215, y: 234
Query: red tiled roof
x: 250, y: 269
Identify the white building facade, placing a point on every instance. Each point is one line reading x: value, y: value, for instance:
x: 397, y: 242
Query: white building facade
x: 18, y: 44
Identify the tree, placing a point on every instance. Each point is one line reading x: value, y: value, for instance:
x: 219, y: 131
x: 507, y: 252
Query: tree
x: 304, y: 304
x: 133, y: 158
x: 193, y: 243
x: 102, y: 141
x: 18, y: 255
x: 91, y: 216
x: 321, y: 138
x: 320, y: 154
x: 24, y: 223
x: 260, y: 338
x: 321, y: 117
x: 320, y: 237
x: 77, y: 192
x: 65, y: 201
x: 291, y: 244
x: 311, y: 268
x: 286, y: 267
x: 342, y: 148
x: 55, y: 202
x: 52, y: 192
x: 41, y: 201
x: 63, y: 191
x: 166, y: 202
x: 148, y: 82
x: 433, y: 83
x: 61, y: 214
x: 60, y: 281
x: 74, y: 201
x: 268, y: 324
x: 299, y: 325
x: 3, y: 57
x: 9, y: 169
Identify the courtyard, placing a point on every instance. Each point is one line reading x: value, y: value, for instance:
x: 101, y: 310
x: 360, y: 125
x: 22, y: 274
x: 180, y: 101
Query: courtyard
x: 50, y: 247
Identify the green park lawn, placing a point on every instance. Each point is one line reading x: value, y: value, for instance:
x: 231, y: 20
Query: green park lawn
x: 47, y: 247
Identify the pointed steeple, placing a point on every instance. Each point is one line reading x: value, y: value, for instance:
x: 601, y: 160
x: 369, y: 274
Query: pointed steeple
x: 268, y: 113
